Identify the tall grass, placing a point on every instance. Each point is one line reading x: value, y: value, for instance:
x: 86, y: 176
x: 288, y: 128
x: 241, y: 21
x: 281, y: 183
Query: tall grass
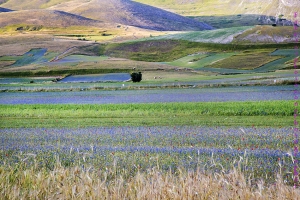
x: 79, y: 183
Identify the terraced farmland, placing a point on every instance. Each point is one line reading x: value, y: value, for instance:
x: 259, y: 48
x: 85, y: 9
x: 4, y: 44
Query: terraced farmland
x: 225, y: 35
x: 33, y: 56
x: 78, y: 59
x: 197, y: 62
x: 246, y: 62
x: 231, y: 63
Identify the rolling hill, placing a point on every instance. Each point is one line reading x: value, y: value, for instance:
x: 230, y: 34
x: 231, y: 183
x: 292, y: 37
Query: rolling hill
x: 133, y: 14
x: 123, y: 12
x: 49, y: 18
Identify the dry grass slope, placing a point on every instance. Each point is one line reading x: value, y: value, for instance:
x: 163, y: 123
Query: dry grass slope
x: 33, y: 4
x: 49, y: 18
x: 119, y: 11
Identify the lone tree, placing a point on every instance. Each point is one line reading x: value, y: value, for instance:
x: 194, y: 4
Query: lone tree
x: 136, y: 77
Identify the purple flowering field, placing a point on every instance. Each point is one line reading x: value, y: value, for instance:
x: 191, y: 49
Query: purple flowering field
x: 258, y: 151
x: 251, y: 93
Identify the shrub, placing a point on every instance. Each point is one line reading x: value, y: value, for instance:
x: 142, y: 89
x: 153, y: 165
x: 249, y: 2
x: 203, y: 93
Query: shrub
x: 136, y: 77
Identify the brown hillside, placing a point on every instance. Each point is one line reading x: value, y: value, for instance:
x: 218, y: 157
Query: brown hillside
x: 29, y: 4
x: 50, y: 18
x: 125, y: 12
x: 132, y: 14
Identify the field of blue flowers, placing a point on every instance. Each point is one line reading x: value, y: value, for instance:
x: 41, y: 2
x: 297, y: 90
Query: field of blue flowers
x: 260, y: 153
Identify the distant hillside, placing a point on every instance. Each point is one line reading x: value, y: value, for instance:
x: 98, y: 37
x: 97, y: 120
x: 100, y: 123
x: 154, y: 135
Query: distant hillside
x: 32, y: 4
x: 133, y: 14
x: 230, y: 21
x: 48, y: 18
x: 124, y: 12
x: 228, y: 7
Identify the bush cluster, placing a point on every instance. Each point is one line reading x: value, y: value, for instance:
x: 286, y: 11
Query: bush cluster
x: 136, y: 77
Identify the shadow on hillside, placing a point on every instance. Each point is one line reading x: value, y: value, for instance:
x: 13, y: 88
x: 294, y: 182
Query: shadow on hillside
x: 243, y: 20
x: 5, y: 10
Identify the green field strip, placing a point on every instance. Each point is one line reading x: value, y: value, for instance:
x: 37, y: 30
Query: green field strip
x: 277, y: 64
x: 9, y: 58
x: 201, y: 60
x: 245, y: 62
x: 211, y: 59
x: 34, y: 56
x: 224, y: 71
x: 193, y: 120
x: 262, y: 113
x: 188, y: 61
x: 225, y: 35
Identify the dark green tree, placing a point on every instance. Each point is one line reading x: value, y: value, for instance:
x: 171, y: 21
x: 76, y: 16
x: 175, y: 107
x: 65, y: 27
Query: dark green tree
x: 136, y: 77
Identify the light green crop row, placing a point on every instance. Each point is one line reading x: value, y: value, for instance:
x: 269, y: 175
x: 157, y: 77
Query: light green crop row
x: 265, y: 113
